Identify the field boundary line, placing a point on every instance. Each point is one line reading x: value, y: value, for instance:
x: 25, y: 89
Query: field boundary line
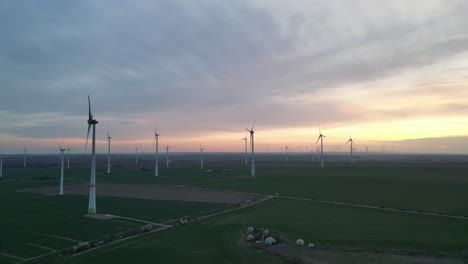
x: 138, y: 220
x: 124, y: 222
x: 40, y: 246
x: 214, y: 180
x: 59, y: 237
x: 374, y: 207
x: 11, y: 256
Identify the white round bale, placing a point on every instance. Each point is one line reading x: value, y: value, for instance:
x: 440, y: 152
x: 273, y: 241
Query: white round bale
x: 269, y: 241
x: 300, y: 242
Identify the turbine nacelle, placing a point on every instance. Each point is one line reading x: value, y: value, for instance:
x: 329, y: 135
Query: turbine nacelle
x: 320, y: 136
x: 61, y: 149
x: 251, y: 131
x: 91, y: 121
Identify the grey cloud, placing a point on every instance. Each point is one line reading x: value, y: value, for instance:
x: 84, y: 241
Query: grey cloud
x: 200, y: 63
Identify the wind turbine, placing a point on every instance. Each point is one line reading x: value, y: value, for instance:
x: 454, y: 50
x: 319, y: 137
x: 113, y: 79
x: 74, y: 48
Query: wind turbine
x: 136, y: 156
x: 352, y: 142
x: 68, y: 158
x: 251, y: 131
x: 286, y: 152
x: 156, y: 164
x: 1, y: 166
x: 321, y: 148
x: 108, y: 152
x: 201, y: 157
x: 24, y: 159
x: 245, y: 139
x: 92, y: 185
x: 167, y: 156
x: 62, y: 156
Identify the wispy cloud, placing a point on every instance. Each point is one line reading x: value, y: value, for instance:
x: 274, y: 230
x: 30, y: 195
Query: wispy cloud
x: 198, y: 67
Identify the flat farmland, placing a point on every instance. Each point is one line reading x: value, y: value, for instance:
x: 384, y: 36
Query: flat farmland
x: 320, y: 205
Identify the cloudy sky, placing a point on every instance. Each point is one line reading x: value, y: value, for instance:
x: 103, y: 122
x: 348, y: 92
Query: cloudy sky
x: 391, y: 73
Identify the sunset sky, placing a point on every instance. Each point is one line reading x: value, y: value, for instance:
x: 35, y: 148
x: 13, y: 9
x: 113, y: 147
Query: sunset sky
x: 391, y: 73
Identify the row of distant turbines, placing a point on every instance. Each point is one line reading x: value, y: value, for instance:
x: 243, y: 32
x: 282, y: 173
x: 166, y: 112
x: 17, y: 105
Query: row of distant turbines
x: 92, y: 186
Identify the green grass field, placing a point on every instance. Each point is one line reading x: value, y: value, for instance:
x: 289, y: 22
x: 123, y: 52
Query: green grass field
x: 439, y: 188
x: 221, y: 239
x: 34, y: 224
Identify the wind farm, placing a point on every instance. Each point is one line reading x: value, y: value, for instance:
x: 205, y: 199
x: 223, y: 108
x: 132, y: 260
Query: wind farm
x: 229, y: 96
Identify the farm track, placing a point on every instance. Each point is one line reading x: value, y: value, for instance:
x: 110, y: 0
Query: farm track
x: 147, y: 235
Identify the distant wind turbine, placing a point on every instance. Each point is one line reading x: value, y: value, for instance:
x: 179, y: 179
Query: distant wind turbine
x: 136, y: 156
x: 321, y: 148
x: 286, y: 152
x: 245, y: 140
x: 251, y: 131
x: 68, y: 158
x: 108, y: 152
x: 24, y: 158
x: 92, y: 185
x: 201, y: 157
x: 62, y: 157
x: 167, y: 156
x: 156, y: 163
x: 1, y: 166
x: 351, y: 153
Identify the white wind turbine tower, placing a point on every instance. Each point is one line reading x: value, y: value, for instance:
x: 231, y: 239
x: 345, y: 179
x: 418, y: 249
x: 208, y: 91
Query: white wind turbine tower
x: 62, y: 157
x: 136, y: 156
x: 156, y: 163
x: 92, y: 185
x: 108, y: 152
x: 321, y: 148
x: 24, y: 158
x: 201, y: 157
x: 352, y: 154
x: 245, y: 140
x: 68, y: 158
x: 167, y: 156
x: 251, y: 131
x: 1, y: 165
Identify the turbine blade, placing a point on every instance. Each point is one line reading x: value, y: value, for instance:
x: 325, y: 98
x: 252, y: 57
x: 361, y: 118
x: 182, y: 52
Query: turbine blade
x: 318, y: 139
x: 254, y: 124
x: 87, y: 137
x: 247, y: 129
x: 89, y: 109
x: 350, y: 140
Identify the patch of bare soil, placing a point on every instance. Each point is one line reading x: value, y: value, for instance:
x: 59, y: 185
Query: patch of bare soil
x: 155, y: 192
